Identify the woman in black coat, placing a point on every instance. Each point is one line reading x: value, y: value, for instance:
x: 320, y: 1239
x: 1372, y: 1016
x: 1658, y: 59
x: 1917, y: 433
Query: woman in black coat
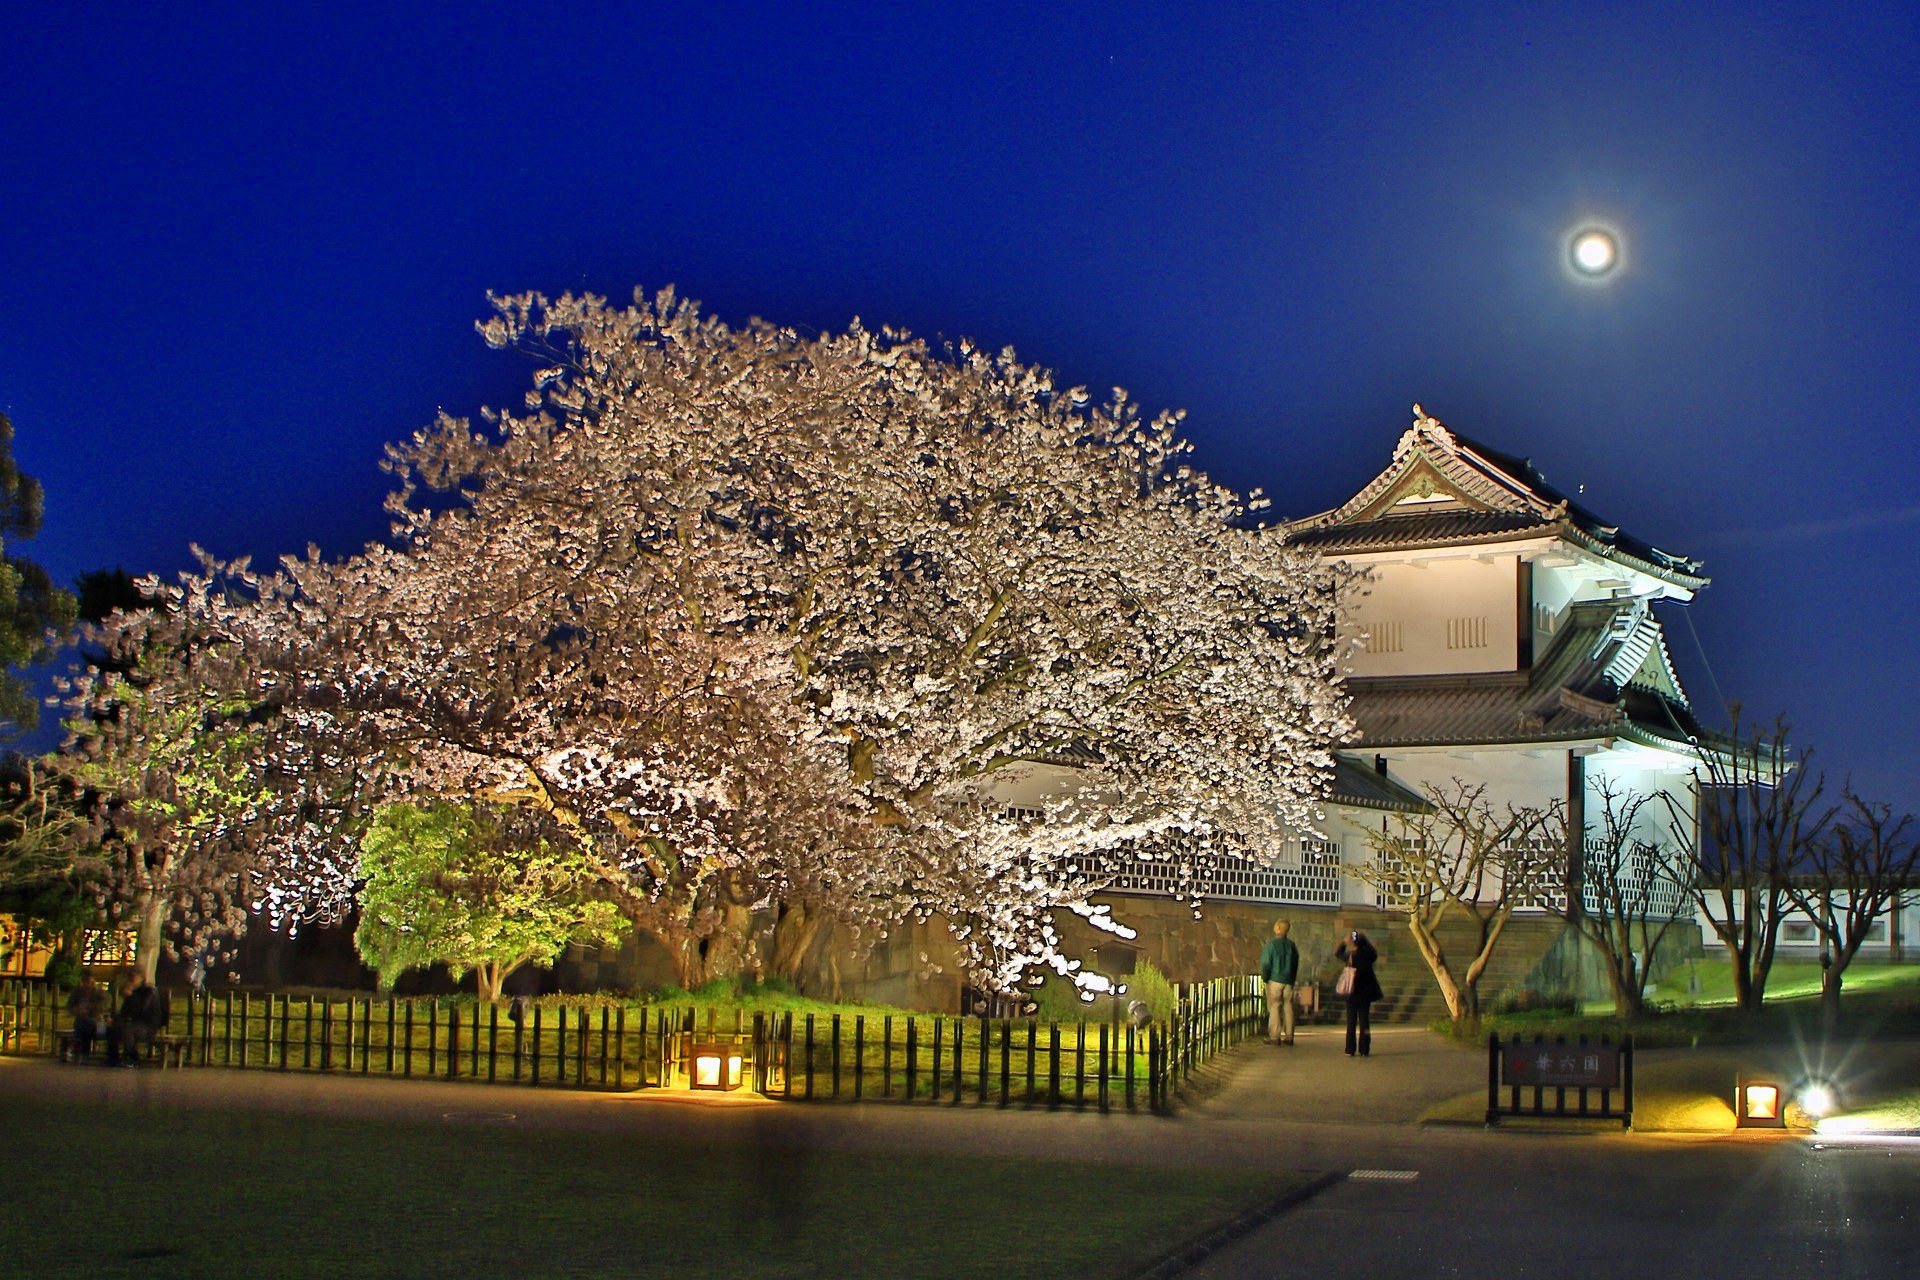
x: 1359, y: 955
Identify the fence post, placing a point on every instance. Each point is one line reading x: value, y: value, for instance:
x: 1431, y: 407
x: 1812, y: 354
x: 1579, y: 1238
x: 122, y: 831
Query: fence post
x: 759, y: 1051
x: 1033, y: 1029
x: 933, y: 1094
x: 1626, y: 1080
x: 1080, y: 1064
x: 912, y: 1058
x: 959, y: 1058
x: 1053, y: 1067
x: 786, y: 1058
x: 859, y: 1055
x: 1006, y: 1059
x: 986, y: 1043
x: 1493, y: 1077
x: 1103, y: 1066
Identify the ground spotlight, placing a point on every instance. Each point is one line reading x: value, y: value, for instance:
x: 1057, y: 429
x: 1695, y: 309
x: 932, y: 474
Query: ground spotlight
x: 1817, y: 1098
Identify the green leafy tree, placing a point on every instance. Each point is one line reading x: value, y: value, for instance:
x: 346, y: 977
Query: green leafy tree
x: 473, y: 887
x: 168, y: 750
x: 33, y: 612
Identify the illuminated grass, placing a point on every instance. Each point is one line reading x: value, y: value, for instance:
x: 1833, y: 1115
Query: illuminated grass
x: 1788, y: 980
x: 202, y: 1193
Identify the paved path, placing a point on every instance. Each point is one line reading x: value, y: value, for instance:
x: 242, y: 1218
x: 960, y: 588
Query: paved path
x: 1396, y: 1197
x: 1251, y: 1093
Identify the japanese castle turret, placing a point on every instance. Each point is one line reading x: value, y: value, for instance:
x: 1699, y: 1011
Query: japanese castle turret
x: 1504, y: 635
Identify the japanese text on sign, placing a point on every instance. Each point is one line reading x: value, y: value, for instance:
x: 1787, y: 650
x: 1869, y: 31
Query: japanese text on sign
x: 1587, y: 1066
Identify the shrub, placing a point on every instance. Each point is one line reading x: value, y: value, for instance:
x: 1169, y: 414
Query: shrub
x: 1059, y: 1001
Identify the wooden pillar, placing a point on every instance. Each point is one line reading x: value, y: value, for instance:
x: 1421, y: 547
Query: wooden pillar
x: 1576, y: 831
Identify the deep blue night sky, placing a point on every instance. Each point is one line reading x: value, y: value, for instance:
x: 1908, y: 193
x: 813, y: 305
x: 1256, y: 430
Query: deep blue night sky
x: 242, y: 250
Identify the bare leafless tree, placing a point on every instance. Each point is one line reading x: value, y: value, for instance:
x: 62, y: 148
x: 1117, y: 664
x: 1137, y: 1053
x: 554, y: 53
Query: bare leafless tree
x: 1462, y: 861
x: 1633, y: 891
x: 1849, y: 879
x: 1757, y: 811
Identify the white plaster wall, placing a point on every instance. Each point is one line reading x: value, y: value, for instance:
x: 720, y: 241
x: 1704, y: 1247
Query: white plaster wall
x: 1438, y: 617
x: 1643, y: 774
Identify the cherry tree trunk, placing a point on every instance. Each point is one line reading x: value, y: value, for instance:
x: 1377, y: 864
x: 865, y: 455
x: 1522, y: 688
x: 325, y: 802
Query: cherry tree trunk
x: 148, y: 927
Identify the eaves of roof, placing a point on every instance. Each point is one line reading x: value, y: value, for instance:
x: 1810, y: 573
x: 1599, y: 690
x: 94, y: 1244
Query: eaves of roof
x: 1358, y: 786
x: 1566, y: 697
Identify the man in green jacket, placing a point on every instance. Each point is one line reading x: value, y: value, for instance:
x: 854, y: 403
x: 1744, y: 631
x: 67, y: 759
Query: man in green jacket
x: 1280, y: 966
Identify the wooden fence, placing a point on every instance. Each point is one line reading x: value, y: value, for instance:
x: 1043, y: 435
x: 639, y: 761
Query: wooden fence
x: 838, y: 1057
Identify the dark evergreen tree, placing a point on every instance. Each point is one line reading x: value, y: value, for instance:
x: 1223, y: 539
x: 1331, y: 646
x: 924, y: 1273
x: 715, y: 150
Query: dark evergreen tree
x: 35, y: 615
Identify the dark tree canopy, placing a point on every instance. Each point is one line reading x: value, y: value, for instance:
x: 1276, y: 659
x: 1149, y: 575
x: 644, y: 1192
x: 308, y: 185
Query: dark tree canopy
x: 32, y: 609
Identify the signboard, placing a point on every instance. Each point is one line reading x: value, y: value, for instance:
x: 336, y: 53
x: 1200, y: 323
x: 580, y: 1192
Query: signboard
x: 1570, y: 1066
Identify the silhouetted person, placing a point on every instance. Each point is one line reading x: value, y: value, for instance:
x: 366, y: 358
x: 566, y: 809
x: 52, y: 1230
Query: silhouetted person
x: 88, y: 1005
x: 142, y: 1014
x: 1360, y: 956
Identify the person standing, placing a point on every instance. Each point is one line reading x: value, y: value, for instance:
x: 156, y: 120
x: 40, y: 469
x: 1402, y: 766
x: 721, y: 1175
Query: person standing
x: 1280, y: 967
x: 88, y: 1005
x: 1360, y: 957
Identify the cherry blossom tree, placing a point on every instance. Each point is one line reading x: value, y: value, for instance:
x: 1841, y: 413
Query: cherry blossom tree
x: 771, y: 620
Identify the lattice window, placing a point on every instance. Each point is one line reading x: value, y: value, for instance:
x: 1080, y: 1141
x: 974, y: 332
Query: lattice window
x: 1643, y: 871
x: 1306, y: 873
x: 1540, y: 862
x: 1392, y: 888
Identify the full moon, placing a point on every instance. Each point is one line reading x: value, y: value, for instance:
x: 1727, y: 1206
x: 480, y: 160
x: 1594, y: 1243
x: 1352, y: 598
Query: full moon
x: 1593, y: 253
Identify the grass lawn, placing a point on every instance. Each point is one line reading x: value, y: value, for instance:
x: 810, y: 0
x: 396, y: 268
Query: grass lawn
x: 1787, y: 980
x: 1877, y: 1001
x: 133, y: 1190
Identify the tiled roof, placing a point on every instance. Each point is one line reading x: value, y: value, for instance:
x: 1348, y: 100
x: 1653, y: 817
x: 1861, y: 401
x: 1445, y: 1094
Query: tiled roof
x: 1481, y: 495
x: 1568, y: 695
x: 1361, y: 786
x: 1441, y: 528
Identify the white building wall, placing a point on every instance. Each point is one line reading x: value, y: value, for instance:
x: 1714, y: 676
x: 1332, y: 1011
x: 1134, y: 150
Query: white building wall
x: 1438, y: 617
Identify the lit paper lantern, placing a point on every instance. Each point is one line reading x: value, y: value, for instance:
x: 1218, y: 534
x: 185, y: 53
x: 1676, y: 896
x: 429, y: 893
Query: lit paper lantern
x: 1759, y: 1103
x: 715, y: 1066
